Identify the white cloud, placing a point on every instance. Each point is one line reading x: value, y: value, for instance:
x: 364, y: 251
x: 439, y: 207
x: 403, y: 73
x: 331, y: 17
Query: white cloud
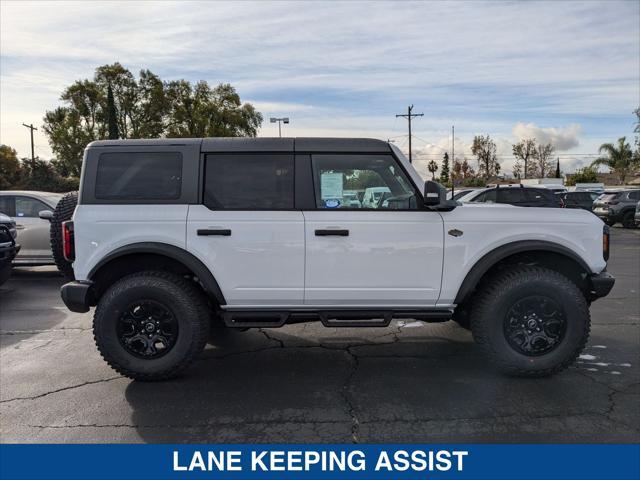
x: 562, y: 138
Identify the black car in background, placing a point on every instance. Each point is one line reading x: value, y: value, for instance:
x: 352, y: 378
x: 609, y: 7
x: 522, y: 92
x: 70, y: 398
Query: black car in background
x: 617, y: 206
x: 520, y: 196
x: 8, y: 247
x: 583, y: 200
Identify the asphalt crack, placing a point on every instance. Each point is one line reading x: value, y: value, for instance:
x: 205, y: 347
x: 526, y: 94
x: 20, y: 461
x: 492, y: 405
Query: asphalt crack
x: 63, y: 389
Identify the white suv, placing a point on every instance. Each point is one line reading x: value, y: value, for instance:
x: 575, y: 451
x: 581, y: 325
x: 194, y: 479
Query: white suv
x: 173, y: 236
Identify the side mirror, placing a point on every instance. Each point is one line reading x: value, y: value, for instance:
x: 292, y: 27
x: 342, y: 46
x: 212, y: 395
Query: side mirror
x: 434, y: 194
x: 45, y: 214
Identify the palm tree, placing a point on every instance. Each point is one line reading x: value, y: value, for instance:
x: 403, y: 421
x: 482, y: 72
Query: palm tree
x: 619, y: 159
x: 433, y: 168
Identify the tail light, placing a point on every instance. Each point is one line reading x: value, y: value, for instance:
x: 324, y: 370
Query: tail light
x: 68, y: 241
x: 605, y: 242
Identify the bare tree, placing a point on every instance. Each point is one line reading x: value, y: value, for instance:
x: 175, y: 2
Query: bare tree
x: 484, y: 148
x: 433, y: 168
x: 524, y: 151
x: 543, y: 164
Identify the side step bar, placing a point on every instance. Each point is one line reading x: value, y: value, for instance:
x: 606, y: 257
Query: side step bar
x: 329, y: 318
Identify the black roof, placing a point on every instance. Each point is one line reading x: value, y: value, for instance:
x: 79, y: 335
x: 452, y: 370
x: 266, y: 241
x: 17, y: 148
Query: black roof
x: 261, y: 144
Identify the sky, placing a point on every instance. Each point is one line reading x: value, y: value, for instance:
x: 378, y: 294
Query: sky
x: 563, y: 72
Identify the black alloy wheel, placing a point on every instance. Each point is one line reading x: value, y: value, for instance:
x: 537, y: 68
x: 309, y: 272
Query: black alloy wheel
x: 147, y: 329
x: 535, y: 325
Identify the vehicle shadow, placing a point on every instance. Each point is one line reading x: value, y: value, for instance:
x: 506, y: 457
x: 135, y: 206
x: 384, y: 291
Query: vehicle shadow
x: 341, y: 389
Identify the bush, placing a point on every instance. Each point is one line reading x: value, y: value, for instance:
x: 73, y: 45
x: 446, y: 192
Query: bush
x: 41, y: 175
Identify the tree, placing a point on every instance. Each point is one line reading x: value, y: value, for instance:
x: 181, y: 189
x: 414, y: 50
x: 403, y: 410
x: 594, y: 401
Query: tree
x: 542, y: 163
x: 484, y: 148
x: 444, y: 171
x: 558, y: 168
x: 517, y: 169
x: 619, y: 159
x: 584, y: 175
x: 433, y: 168
x: 9, y: 167
x: 116, y: 104
x: 523, y: 151
x: 112, y: 121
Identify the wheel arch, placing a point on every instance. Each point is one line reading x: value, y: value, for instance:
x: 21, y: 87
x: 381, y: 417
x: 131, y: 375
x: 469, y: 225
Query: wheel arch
x: 153, y: 255
x: 550, y: 254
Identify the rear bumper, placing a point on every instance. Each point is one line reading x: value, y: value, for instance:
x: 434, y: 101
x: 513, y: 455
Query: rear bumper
x: 77, y: 296
x: 601, y: 284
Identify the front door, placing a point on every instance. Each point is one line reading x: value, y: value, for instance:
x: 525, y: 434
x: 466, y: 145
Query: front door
x: 247, y: 231
x: 381, y: 251
x: 33, y: 231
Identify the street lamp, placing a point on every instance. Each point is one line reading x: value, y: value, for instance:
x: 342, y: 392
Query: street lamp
x: 280, y: 122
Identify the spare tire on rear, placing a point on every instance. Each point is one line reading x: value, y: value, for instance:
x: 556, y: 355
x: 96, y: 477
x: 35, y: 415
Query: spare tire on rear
x: 63, y: 212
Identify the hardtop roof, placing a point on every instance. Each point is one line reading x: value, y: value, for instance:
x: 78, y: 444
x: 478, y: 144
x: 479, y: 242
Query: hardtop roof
x: 261, y: 144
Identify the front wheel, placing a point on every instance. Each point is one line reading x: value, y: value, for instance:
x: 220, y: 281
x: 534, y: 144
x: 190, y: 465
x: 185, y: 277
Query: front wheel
x: 531, y: 321
x: 151, y: 325
x: 628, y: 221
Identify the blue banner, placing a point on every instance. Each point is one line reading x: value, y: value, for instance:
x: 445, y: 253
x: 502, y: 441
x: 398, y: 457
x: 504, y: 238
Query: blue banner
x: 282, y: 462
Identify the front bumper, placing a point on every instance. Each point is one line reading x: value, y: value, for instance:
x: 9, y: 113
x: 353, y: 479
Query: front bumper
x: 601, y: 284
x: 77, y: 296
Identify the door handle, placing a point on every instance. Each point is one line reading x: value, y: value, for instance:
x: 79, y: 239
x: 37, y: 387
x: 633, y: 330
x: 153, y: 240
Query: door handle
x: 332, y: 232
x: 214, y: 231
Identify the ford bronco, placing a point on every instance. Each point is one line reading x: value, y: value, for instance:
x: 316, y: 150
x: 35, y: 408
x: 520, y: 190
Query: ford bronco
x: 173, y: 237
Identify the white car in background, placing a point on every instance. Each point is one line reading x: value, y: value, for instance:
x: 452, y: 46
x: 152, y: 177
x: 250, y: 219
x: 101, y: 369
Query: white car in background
x: 32, y: 212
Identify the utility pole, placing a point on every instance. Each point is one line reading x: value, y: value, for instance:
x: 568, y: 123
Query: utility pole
x: 453, y: 160
x: 33, y: 157
x: 409, y: 116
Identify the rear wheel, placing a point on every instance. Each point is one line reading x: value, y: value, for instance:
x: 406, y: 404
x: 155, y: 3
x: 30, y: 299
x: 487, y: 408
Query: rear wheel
x: 63, y: 212
x: 151, y: 325
x: 531, y: 321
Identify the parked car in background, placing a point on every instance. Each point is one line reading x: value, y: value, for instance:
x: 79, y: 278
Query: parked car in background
x: 519, y: 196
x: 8, y: 246
x: 458, y: 194
x: 636, y: 217
x: 617, y: 206
x: 31, y: 211
x: 578, y: 199
x: 372, y: 196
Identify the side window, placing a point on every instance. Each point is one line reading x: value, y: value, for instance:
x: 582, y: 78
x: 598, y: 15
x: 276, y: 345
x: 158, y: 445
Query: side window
x: 139, y: 176
x: 635, y: 195
x: 249, y: 182
x: 486, y: 197
x: 361, y: 182
x: 511, y: 195
x: 29, y: 207
x: 536, y: 196
x: 8, y: 205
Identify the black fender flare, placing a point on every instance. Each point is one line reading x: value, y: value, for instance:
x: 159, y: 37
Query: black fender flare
x: 178, y: 254
x: 483, y: 265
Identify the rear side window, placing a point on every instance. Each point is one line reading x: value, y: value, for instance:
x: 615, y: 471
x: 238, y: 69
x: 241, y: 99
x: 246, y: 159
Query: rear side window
x: 634, y: 195
x: 513, y: 195
x: 249, y: 182
x: 139, y: 176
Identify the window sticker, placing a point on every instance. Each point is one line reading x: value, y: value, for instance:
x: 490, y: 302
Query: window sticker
x: 332, y: 203
x: 331, y: 186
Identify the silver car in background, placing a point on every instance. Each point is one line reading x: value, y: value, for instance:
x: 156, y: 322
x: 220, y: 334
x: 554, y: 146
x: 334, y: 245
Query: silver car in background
x: 31, y: 211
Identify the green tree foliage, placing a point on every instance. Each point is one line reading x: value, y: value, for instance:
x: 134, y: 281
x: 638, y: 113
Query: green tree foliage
x: 433, y: 168
x: 9, y: 167
x: 584, y: 175
x: 484, y: 148
x: 523, y: 151
x: 143, y: 107
x: 444, y: 171
x: 558, y: 168
x: 618, y: 158
x: 43, y: 176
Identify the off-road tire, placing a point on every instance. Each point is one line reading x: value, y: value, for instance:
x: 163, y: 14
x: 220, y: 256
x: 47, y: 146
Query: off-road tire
x: 63, y: 212
x: 490, y: 307
x: 176, y: 293
x: 627, y: 219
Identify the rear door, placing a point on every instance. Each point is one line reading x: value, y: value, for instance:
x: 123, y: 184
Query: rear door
x: 386, y: 253
x: 247, y: 231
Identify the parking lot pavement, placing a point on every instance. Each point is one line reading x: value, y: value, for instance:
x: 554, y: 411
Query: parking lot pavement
x: 411, y: 382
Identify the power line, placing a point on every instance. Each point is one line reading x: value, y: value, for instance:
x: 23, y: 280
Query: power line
x: 409, y: 116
